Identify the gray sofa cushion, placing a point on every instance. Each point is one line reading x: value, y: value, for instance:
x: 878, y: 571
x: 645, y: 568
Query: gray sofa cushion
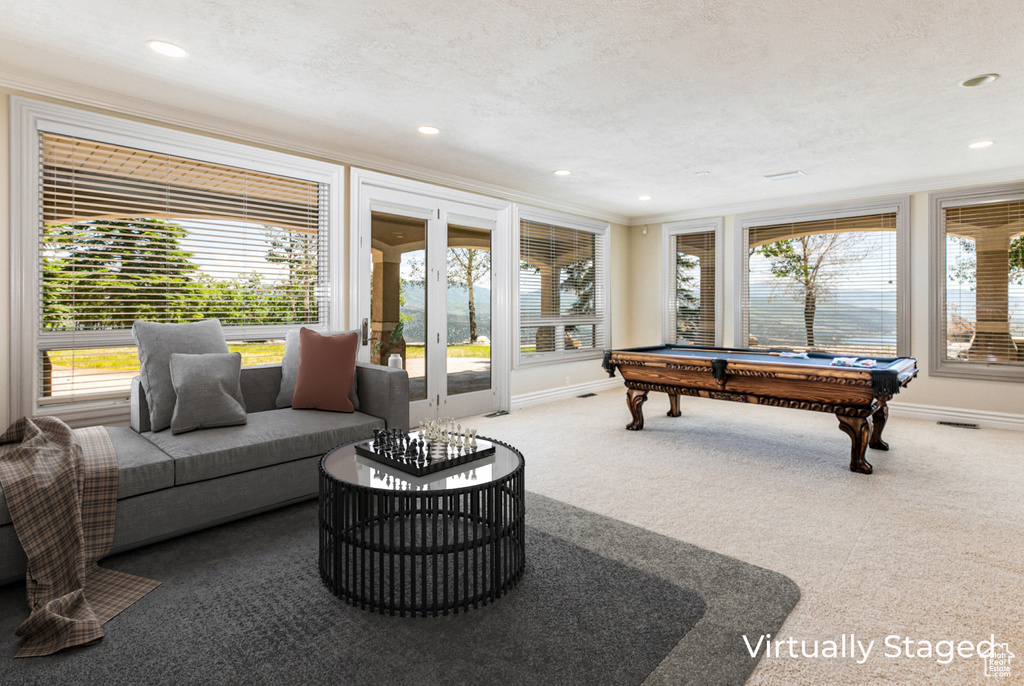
x: 290, y: 370
x: 208, y: 391
x: 270, y: 437
x: 156, y: 342
x: 384, y: 392
x: 141, y: 467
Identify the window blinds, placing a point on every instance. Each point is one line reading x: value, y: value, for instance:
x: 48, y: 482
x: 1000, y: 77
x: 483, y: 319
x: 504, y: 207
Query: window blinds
x: 827, y: 285
x: 561, y: 290
x: 983, y: 289
x: 129, y: 234
x: 694, y: 289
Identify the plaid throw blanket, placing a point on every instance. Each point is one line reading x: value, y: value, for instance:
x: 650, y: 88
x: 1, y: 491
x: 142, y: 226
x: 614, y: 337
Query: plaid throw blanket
x: 61, y: 489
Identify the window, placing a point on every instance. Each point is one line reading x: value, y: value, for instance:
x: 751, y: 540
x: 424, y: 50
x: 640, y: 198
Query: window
x: 693, y: 282
x: 827, y: 279
x: 562, y: 288
x: 120, y: 232
x: 978, y: 257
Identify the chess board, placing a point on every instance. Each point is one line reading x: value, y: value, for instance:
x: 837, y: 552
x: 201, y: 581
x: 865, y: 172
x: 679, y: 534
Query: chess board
x: 436, y: 456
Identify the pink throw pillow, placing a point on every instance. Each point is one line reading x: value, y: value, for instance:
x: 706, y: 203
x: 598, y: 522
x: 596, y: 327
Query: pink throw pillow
x: 327, y: 367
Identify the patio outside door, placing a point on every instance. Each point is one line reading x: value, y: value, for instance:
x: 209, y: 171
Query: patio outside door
x: 430, y: 296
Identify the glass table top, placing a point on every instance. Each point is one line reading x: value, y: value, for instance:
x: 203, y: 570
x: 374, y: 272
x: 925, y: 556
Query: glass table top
x: 344, y: 464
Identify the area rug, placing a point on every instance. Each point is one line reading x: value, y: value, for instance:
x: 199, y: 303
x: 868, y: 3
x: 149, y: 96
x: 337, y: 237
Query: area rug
x: 601, y: 602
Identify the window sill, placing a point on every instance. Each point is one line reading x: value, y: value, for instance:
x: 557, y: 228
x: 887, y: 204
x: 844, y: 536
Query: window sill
x: 545, y: 359
x: 979, y: 370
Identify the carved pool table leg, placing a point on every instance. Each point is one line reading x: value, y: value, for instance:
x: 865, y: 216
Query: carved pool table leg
x: 858, y: 429
x: 635, y: 400
x: 673, y: 405
x: 879, y: 418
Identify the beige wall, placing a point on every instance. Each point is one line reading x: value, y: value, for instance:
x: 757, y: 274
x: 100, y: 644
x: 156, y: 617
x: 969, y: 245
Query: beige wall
x: 645, y: 267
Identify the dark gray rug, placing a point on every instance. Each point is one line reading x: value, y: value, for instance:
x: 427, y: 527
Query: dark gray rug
x: 601, y: 602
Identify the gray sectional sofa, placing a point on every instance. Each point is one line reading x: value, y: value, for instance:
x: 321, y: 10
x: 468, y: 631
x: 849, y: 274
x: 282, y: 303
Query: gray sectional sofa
x: 169, y: 484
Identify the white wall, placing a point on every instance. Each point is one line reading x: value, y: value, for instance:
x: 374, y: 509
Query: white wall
x: 979, y: 398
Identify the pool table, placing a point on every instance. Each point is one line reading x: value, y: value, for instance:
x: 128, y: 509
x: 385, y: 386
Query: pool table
x: 858, y: 396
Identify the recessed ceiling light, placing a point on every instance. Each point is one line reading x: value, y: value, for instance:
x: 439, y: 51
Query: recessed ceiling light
x: 785, y: 175
x: 980, y: 144
x: 562, y: 172
x: 167, y: 49
x: 703, y: 173
x: 979, y: 80
x: 429, y: 130
x: 643, y: 197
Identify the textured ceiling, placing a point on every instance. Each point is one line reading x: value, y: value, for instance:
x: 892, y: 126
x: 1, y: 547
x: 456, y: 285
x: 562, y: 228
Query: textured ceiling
x: 633, y: 96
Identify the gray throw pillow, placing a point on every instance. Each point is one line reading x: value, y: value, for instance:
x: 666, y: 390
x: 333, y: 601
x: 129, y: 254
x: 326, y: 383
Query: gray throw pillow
x: 208, y: 390
x: 156, y: 343
x: 290, y: 370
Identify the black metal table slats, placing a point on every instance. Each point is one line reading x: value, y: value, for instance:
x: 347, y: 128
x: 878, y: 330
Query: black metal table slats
x: 423, y: 546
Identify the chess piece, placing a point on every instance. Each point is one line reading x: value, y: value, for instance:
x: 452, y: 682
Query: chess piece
x: 472, y: 439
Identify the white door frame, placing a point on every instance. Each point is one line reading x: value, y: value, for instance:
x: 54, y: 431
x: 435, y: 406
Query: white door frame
x: 372, y: 191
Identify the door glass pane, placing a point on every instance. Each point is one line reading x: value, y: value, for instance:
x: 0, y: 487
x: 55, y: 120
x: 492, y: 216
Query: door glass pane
x: 397, y: 295
x: 469, y: 310
x: 695, y: 289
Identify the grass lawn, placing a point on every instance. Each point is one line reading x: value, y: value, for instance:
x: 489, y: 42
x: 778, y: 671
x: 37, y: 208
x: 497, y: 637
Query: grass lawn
x: 127, y: 359
x: 415, y: 352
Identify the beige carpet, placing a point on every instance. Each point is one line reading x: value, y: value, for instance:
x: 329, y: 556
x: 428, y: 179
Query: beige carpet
x: 930, y: 547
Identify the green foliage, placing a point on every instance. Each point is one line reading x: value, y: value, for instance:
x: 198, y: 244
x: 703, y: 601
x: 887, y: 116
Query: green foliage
x: 687, y: 303
x: 106, y: 274
x: 103, y: 275
x: 396, y: 336
x: 786, y: 262
x: 298, y: 251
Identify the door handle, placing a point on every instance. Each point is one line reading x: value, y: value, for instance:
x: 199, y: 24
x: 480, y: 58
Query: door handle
x: 366, y: 331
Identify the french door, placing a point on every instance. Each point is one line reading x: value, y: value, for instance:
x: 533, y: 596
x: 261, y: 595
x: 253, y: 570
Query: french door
x: 432, y: 273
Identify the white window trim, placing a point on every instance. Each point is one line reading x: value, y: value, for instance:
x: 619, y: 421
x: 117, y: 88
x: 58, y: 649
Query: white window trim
x: 901, y: 206
x: 668, y: 233
x: 937, y: 364
x: 568, y: 221
x: 28, y: 118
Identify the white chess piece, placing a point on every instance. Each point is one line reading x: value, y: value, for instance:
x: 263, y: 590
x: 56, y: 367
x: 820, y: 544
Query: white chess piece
x: 472, y: 439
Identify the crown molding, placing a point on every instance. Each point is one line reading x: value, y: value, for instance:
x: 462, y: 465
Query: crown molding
x: 114, y: 104
x: 1009, y: 174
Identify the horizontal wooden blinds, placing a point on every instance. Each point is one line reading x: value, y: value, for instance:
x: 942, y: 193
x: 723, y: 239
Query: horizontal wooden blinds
x: 983, y: 289
x: 131, y: 234
x: 828, y: 285
x: 694, y: 289
x: 561, y: 290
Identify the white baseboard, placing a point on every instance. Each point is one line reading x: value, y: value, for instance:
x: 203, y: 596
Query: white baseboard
x: 991, y: 420
x: 561, y: 393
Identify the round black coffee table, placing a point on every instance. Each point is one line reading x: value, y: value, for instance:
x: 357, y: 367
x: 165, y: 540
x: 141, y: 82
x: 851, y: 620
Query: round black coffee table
x: 401, y: 544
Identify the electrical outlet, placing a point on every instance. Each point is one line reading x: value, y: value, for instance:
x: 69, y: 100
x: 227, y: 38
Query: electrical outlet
x: 567, y: 381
